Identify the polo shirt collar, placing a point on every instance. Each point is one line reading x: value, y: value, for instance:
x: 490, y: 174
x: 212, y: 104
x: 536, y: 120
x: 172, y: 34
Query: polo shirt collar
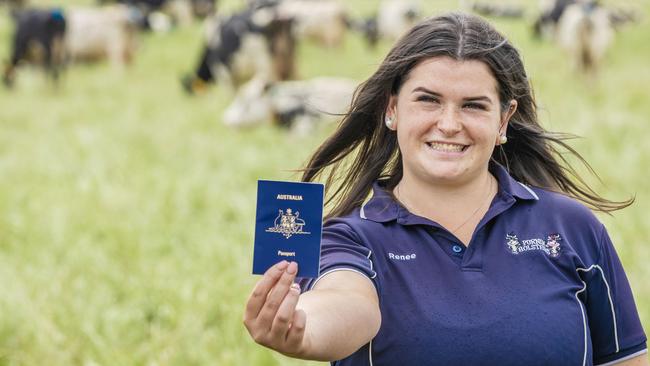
x: 509, y: 186
x: 382, y: 207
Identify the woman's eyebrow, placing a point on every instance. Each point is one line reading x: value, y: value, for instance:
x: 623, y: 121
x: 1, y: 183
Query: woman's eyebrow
x: 479, y: 98
x: 425, y: 90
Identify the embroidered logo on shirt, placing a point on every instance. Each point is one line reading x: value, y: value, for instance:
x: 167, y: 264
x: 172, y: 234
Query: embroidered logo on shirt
x: 551, y: 246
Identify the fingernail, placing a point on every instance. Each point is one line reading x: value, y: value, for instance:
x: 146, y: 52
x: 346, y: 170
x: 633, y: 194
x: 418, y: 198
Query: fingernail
x: 282, y: 265
x: 293, y: 268
x: 295, y: 287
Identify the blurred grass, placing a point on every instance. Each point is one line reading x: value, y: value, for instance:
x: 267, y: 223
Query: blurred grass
x: 127, y: 209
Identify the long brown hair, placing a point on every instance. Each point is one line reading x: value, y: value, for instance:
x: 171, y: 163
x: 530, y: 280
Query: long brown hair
x: 363, y: 150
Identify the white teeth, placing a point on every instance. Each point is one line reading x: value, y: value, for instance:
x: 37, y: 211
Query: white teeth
x: 446, y: 147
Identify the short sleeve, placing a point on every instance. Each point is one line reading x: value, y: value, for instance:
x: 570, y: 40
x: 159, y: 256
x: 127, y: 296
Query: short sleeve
x: 616, y: 330
x: 341, y: 250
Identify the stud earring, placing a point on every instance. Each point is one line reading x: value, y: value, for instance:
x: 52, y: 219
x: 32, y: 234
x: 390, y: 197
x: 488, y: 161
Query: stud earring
x: 389, y: 122
x: 502, y: 139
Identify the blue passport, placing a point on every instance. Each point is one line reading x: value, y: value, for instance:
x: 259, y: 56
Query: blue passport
x: 288, y: 225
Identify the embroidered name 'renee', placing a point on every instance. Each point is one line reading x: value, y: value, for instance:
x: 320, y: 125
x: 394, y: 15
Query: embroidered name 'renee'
x: 401, y: 257
x: 289, y: 197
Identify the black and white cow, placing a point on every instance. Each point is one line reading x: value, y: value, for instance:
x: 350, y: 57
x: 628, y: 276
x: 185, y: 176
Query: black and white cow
x: 254, y: 42
x: 393, y: 19
x: 585, y: 31
x: 38, y: 37
x: 162, y: 15
x: 551, y: 12
x: 101, y: 33
x: 90, y: 34
x: 324, y: 21
x: 296, y: 105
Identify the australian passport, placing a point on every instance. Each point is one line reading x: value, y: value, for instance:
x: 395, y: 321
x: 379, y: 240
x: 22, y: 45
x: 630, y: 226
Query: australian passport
x: 288, y: 225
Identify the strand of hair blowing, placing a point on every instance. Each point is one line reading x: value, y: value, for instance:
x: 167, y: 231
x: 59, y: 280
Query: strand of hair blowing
x: 363, y: 150
x: 368, y: 145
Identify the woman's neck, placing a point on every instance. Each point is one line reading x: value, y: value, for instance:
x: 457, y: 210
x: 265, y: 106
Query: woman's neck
x: 457, y: 207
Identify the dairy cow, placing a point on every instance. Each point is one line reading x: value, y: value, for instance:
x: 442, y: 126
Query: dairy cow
x: 296, y: 105
x: 254, y: 42
x: 107, y: 32
x: 585, y: 31
x: 546, y: 22
x: 38, y: 38
x: 393, y: 19
x: 324, y: 21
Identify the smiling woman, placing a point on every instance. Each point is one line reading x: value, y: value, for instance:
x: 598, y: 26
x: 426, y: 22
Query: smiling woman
x: 460, y: 99
x: 495, y: 246
x: 448, y: 119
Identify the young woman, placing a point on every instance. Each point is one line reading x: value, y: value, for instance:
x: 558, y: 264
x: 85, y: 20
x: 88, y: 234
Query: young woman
x: 475, y: 247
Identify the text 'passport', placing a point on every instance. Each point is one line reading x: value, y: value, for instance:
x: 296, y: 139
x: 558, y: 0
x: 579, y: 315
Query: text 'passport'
x: 288, y: 225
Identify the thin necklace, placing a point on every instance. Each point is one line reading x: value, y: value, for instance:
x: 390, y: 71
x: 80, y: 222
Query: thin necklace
x: 489, y: 195
x: 478, y: 208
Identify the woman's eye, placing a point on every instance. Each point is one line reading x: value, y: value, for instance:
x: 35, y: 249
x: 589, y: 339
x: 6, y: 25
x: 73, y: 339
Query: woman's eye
x: 475, y: 106
x: 426, y: 98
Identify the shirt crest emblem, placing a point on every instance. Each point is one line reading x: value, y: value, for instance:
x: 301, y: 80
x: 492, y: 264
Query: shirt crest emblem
x: 551, y: 246
x: 288, y: 224
x: 513, y: 243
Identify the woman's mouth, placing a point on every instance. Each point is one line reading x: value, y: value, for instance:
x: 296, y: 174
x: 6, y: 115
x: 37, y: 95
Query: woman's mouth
x: 447, y: 147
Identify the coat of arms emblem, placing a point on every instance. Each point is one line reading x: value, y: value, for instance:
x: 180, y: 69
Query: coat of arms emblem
x: 288, y: 224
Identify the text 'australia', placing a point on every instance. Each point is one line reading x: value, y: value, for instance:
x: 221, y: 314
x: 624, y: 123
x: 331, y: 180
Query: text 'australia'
x: 289, y: 197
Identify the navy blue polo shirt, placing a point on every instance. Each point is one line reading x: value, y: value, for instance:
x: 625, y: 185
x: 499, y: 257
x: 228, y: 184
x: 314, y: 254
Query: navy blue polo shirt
x: 539, y: 284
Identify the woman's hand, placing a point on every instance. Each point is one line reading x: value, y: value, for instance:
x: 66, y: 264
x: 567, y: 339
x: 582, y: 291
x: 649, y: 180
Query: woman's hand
x: 271, y: 316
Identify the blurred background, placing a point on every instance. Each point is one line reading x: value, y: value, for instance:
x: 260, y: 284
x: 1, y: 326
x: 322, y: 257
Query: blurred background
x: 132, y: 137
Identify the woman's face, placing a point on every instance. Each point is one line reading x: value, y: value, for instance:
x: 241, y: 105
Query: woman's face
x: 448, y: 121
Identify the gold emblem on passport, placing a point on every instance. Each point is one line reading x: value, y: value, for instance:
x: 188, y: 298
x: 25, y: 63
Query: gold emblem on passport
x: 287, y: 223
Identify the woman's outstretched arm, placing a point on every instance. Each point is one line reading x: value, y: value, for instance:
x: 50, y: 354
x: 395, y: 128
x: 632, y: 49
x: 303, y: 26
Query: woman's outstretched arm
x: 330, y: 322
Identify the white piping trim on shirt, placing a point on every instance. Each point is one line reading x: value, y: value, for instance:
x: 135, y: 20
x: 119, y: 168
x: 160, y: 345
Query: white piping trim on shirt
x: 584, y: 321
x: 635, y: 354
x: 529, y: 191
x: 362, y: 213
x: 371, y: 266
x: 609, y: 296
x: 370, y: 353
x: 336, y: 270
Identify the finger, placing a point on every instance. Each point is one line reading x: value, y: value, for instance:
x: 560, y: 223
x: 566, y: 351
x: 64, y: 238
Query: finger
x: 284, y: 315
x: 261, y: 290
x: 297, y: 330
x: 276, y: 296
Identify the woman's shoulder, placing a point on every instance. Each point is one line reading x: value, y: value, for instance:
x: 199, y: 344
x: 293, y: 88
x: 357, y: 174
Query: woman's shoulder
x: 353, y: 220
x: 569, y: 216
x: 559, y: 204
x: 355, y: 224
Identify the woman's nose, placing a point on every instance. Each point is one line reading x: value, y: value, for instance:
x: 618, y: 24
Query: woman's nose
x: 449, y: 121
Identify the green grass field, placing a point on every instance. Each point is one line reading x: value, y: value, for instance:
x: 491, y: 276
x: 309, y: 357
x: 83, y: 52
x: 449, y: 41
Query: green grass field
x: 127, y: 208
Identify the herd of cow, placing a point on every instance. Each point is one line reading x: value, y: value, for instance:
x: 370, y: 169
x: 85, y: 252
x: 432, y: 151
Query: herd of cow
x: 252, y: 51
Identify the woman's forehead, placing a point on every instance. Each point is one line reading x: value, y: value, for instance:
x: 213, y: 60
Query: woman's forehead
x: 445, y: 73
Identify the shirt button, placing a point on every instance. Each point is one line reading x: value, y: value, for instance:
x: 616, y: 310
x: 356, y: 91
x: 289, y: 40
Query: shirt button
x: 457, y: 249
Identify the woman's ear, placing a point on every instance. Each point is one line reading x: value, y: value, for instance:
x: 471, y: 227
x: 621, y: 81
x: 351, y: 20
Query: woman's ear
x: 391, y: 113
x: 506, y: 115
